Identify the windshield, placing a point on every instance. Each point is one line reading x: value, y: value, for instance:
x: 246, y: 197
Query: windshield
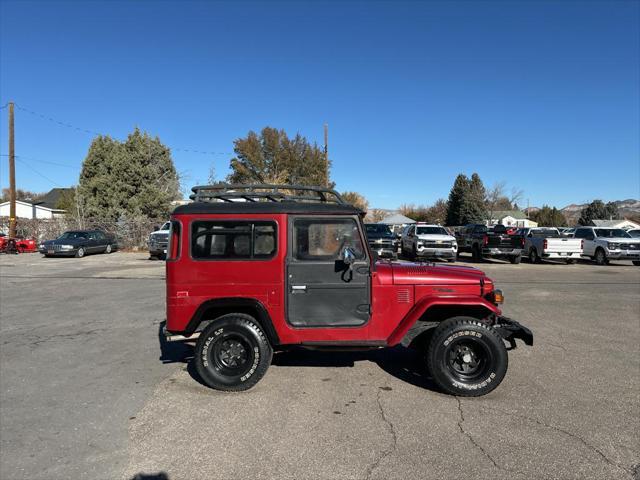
x: 379, y: 229
x: 611, y: 233
x: 166, y: 226
x: 634, y: 233
x: 431, y: 231
x: 68, y: 235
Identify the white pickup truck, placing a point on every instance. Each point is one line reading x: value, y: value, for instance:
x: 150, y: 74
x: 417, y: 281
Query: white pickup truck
x: 548, y: 243
x: 604, y: 244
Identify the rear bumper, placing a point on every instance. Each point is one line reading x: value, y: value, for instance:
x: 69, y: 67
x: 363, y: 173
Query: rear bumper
x: 501, y: 252
x: 510, y: 330
x: 562, y: 255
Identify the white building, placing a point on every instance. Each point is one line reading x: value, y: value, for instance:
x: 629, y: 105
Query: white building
x: 623, y: 224
x: 30, y: 210
x: 511, y: 218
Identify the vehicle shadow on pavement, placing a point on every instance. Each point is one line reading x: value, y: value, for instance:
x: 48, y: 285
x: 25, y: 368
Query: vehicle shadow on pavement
x: 173, y: 352
x: 150, y: 476
x: 404, y: 363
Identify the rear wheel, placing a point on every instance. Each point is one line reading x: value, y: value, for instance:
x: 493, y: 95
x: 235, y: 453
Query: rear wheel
x: 600, y: 257
x: 636, y: 263
x: 232, y: 353
x: 570, y: 262
x: 515, y: 259
x: 466, y: 357
x: 533, y: 256
x: 108, y: 249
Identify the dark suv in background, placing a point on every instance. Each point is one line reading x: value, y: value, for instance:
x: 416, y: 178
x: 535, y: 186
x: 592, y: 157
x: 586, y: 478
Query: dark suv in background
x: 382, y: 240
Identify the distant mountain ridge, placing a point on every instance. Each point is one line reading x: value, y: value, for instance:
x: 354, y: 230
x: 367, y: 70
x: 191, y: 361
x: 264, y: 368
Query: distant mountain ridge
x: 626, y: 208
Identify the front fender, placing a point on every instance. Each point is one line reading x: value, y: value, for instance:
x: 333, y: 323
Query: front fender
x: 425, y: 303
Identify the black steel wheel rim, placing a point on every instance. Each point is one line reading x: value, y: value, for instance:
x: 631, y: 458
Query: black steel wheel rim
x: 468, y: 360
x: 232, y: 354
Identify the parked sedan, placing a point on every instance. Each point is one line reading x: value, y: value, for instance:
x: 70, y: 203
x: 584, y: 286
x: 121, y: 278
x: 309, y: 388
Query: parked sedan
x: 78, y: 243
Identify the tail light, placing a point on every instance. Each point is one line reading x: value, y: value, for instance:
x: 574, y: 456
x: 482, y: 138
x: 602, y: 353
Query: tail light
x: 582, y: 244
x: 485, y: 240
x: 522, y: 242
x: 545, y: 244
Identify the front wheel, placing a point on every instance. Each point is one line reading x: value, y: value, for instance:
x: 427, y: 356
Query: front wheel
x: 232, y: 353
x: 80, y: 253
x: 600, y: 257
x: 466, y: 357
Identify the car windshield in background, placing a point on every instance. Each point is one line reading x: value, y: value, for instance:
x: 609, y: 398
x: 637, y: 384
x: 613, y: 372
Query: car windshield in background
x: 431, y: 231
x: 70, y: 235
x: 634, y: 233
x: 611, y: 233
x: 379, y: 229
x: 166, y: 226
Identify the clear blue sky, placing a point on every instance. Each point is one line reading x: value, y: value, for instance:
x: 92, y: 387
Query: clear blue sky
x: 542, y: 95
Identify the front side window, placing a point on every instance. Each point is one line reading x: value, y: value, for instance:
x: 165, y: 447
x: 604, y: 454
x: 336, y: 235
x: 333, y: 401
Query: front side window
x: 611, y: 233
x: 233, y: 240
x: 320, y: 239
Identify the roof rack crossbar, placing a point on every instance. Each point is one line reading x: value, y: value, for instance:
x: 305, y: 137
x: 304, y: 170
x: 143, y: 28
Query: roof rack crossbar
x: 224, y: 192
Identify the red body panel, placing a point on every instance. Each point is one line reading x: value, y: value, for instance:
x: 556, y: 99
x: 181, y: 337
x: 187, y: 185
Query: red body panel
x: 24, y: 245
x: 400, y: 293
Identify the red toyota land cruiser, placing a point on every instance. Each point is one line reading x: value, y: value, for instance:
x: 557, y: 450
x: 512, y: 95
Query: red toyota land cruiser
x: 253, y: 268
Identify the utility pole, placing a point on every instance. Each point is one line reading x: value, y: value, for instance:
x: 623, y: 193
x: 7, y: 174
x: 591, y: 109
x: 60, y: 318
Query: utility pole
x: 326, y: 154
x: 12, y: 177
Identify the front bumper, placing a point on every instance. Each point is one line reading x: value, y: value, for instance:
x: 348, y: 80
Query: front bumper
x: 58, y: 253
x: 623, y: 254
x: 510, y: 330
x: 436, y: 252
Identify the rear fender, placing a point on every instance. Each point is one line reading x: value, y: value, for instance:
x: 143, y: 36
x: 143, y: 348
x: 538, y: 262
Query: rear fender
x: 463, y: 305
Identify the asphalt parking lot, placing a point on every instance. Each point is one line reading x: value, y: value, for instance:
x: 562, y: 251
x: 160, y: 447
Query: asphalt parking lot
x: 89, y: 390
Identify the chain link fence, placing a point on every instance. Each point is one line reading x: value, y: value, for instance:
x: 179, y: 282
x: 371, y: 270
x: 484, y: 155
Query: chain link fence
x: 131, y: 233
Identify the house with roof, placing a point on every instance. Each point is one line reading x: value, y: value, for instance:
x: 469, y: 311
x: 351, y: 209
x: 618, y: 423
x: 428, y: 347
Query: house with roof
x: 397, y: 222
x: 623, y: 224
x: 510, y: 218
x: 46, y: 207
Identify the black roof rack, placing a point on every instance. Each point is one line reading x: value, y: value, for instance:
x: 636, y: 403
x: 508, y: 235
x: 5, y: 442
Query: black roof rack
x: 264, y: 192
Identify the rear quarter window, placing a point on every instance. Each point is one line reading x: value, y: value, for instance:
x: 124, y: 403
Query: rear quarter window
x: 233, y: 240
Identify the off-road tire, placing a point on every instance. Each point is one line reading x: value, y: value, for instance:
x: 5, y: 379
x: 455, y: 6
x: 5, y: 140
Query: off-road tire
x: 515, y: 259
x: 600, y: 257
x: 447, y: 349
x: 213, y: 362
x: 533, y: 256
x: 80, y: 253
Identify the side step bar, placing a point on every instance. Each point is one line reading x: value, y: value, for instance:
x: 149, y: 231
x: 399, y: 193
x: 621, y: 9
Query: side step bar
x: 170, y: 337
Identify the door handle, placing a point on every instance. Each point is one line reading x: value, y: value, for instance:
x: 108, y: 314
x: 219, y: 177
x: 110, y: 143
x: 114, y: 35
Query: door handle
x: 298, y: 289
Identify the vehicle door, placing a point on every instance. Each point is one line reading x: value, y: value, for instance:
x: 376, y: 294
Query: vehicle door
x: 588, y: 238
x: 101, y: 242
x: 323, y: 290
x: 89, y: 242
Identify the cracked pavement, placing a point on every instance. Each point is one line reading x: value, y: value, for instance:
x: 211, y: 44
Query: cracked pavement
x: 88, y: 391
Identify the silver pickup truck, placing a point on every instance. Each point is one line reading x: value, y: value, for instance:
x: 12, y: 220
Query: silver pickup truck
x: 548, y: 243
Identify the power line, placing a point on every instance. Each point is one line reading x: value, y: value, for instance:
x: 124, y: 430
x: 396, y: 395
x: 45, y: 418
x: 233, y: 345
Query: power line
x: 38, y: 173
x: 43, y: 161
x: 93, y: 132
